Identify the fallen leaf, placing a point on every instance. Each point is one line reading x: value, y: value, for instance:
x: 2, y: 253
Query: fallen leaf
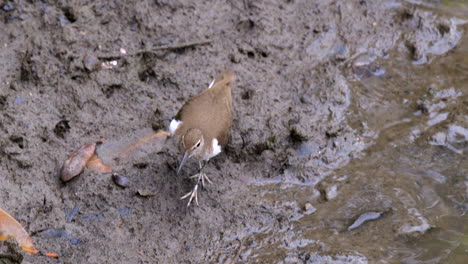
x: 120, y: 180
x: 96, y: 164
x: 9, y: 227
x: 131, y: 148
x: 75, y: 164
x: 160, y: 134
x: 52, y: 255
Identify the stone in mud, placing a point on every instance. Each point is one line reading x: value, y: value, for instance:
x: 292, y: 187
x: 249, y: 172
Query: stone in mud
x: 120, y: 180
x: 54, y: 233
x: 8, y: 7
x: 91, y: 63
x: 416, y: 224
x: 365, y: 217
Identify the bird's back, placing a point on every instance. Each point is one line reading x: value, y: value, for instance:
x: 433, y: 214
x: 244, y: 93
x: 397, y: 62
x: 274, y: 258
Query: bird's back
x: 211, y: 110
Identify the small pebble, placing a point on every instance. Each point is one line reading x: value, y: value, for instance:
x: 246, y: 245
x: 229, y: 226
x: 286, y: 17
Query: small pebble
x: 74, y: 241
x: 91, y: 62
x: 8, y: 7
x: 369, y: 216
x: 54, y: 233
x: 125, y: 211
x: 332, y: 192
x: 145, y: 193
x: 120, y: 180
x: 309, y: 209
x: 18, y: 100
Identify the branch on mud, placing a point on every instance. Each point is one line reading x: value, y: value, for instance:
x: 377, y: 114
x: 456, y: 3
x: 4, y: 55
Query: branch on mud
x: 156, y: 49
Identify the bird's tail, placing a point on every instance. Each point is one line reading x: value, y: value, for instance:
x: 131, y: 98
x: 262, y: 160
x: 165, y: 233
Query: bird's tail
x: 225, y: 78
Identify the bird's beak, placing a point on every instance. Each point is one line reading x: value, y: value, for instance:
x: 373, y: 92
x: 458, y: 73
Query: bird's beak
x: 184, y: 159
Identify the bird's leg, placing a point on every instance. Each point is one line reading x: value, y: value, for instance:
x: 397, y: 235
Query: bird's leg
x: 201, y: 177
x: 191, y: 195
x: 201, y: 174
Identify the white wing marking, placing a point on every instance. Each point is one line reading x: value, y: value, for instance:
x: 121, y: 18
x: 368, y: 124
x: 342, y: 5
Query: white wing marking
x: 216, y: 149
x: 211, y: 84
x: 174, y: 125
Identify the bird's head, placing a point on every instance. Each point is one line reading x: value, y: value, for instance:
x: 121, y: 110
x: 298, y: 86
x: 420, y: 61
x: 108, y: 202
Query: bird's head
x: 192, y: 144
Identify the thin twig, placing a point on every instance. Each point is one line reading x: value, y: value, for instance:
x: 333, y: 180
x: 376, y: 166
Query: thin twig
x: 155, y: 49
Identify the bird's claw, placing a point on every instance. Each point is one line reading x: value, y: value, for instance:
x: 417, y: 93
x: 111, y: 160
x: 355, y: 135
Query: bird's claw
x: 191, y: 194
x: 194, y: 193
x: 202, y: 177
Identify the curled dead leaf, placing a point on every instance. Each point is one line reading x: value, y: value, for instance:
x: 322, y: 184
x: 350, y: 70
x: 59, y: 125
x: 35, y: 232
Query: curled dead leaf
x: 96, y: 164
x: 9, y: 227
x: 132, y: 147
x: 75, y: 164
x: 161, y: 135
x: 104, y: 158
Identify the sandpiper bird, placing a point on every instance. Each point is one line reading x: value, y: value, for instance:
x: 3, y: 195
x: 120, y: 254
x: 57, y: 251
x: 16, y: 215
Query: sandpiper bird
x: 202, y: 127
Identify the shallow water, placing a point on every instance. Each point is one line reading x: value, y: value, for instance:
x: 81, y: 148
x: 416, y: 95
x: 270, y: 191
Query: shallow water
x: 411, y: 179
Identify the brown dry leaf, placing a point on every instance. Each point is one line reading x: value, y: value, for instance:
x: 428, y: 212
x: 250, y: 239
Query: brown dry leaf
x: 96, y: 164
x: 75, y: 164
x: 9, y: 227
x: 133, y: 147
x: 145, y: 140
x: 52, y: 255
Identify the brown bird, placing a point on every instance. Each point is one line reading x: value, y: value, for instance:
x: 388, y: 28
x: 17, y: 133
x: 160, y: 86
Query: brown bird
x: 202, y: 127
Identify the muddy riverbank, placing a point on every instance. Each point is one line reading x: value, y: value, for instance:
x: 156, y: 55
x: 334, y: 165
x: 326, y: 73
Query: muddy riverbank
x: 342, y: 109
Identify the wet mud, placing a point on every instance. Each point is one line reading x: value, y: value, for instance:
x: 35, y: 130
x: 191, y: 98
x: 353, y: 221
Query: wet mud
x: 348, y: 144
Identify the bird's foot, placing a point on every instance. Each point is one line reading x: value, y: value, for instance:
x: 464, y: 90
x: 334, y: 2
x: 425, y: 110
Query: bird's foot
x: 202, y: 177
x: 194, y: 193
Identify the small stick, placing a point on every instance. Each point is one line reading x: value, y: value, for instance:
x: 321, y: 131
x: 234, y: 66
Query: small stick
x: 153, y: 50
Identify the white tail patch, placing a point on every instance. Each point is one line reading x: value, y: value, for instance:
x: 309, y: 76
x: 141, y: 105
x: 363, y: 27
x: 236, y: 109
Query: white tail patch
x: 216, y: 149
x: 174, y: 125
x: 211, y: 83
